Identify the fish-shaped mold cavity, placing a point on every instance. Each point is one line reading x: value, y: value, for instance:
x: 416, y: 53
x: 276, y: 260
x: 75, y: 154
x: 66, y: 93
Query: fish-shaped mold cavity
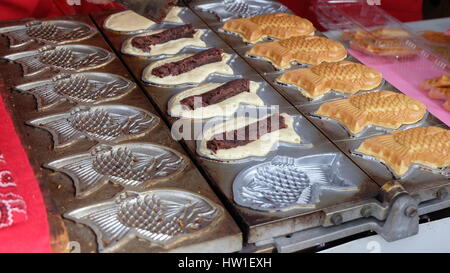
x: 428, y: 146
x: 188, y: 69
x: 162, y: 217
x: 107, y: 124
x: 286, y: 183
x: 243, y: 137
x: 87, y: 88
x: 164, y: 41
x: 134, y: 165
x: 68, y: 58
x: 344, y: 76
x: 276, y: 25
x: 214, y: 99
x: 382, y: 108
x: 301, y: 49
x: 226, y: 9
x: 48, y: 32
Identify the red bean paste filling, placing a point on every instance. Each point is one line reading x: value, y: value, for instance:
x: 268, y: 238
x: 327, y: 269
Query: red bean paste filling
x: 235, y: 138
x: 208, y: 56
x: 216, y: 95
x: 144, y: 42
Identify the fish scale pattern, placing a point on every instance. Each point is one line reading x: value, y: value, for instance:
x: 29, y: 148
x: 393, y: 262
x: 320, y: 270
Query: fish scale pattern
x: 146, y: 213
x: 309, y: 44
x: 81, y: 88
x: 66, y: 58
x: 98, y: 122
x: 283, y: 185
x: 44, y: 31
x: 238, y: 7
x: 51, y: 32
x: 379, y: 102
x: 425, y: 139
x: 120, y: 163
x: 277, y: 20
x: 347, y: 71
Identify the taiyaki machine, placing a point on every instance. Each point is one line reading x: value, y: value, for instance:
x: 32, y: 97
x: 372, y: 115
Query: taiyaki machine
x: 260, y: 197
x: 301, y: 197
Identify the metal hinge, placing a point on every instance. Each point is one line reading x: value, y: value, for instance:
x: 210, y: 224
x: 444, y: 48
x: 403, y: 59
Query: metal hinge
x: 393, y: 215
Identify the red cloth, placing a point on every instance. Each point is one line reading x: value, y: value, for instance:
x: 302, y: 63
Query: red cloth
x: 403, y: 10
x: 16, y: 9
x: 28, y: 232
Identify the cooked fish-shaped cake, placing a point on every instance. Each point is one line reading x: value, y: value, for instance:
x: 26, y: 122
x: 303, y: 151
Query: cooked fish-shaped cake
x: 429, y: 146
x: 241, y: 137
x: 52, y: 31
x: 301, y: 49
x: 276, y: 25
x: 129, y: 165
x: 71, y: 58
x: 383, y: 108
x: 347, y: 77
x: 105, y: 124
x: 164, y: 41
x: 438, y: 88
x: 286, y: 183
x: 381, y: 41
x: 162, y: 217
x: 188, y: 68
x: 130, y: 21
x: 214, y: 99
x: 437, y: 37
x: 83, y: 88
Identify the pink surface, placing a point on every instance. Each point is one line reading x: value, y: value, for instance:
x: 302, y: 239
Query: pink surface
x: 406, y: 76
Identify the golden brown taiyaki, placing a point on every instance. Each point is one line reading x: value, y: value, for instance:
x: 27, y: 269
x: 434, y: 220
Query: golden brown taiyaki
x: 437, y: 37
x: 276, y: 25
x: 383, y: 108
x: 302, y: 49
x: 429, y: 146
x: 344, y: 76
x: 381, y: 41
x: 439, y: 88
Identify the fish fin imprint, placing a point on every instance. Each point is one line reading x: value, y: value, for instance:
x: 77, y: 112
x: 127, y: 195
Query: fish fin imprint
x: 85, y: 178
x: 104, y: 222
x: 344, y: 112
x: 62, y: 131
x: 31, y: 65
x: 247, y: 29
x: 279, y: 56
x: 309, y: 83
x: 45, y: 95
x: 18, y: 37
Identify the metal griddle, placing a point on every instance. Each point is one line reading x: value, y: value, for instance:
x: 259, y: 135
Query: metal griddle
x: 378, y: 206
x: 258, y: 226
x: 224, y: 237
